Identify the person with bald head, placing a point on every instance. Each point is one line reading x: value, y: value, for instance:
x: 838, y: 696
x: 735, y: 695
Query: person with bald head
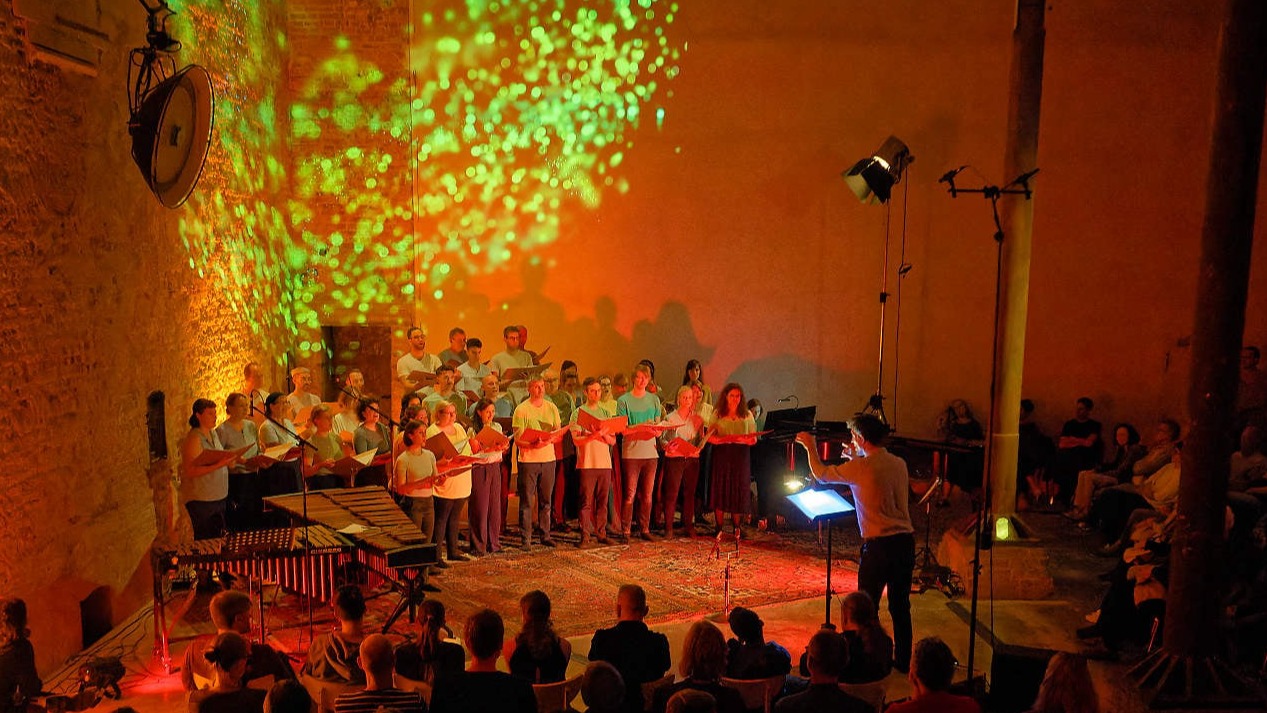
x: 639, y: 654
x: 378, y: 660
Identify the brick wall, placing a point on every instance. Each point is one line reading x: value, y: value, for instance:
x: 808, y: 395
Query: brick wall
x: 102, y: 305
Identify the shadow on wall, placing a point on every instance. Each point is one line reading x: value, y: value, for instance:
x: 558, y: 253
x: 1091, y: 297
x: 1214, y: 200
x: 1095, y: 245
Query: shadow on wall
x: 776, y: 377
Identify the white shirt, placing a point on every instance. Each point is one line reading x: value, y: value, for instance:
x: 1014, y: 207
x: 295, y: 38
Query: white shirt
x: 409, y: 363
x: 880, y: 486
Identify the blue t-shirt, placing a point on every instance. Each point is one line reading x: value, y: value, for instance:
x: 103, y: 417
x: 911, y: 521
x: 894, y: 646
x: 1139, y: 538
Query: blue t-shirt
x: 644, y: 409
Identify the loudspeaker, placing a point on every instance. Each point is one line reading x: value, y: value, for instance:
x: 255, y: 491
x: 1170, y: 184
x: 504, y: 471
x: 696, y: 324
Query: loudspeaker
x: 171, y: 133
x: 1016, y: 672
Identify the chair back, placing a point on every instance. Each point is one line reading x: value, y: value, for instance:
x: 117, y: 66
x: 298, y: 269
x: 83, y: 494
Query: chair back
x: 873, y: 694
x: 409, y: 684
x: 557, y: 697
x: 650, y: 687
x: 324, y: 693
x: 757, y: 693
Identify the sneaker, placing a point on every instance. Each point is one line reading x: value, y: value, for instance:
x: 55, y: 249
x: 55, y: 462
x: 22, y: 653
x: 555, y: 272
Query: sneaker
x: 459, y: 557
x: 441, y: 564
x: 549, y: 543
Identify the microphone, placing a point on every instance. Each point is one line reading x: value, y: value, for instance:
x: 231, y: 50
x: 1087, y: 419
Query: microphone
x: 1024, y: 177
x: 949, y: 176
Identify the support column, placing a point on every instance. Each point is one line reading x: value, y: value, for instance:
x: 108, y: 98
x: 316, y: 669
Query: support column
x: 1017, y: 214
x: 1186, y: 671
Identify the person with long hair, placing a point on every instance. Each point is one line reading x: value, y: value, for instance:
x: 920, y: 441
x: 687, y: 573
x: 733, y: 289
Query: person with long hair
x: 227, y: 655
x: 430, y: 657
x: 206, y: 486
x: 870, y: 646
x: 1118, y: 469
x: 694, y: 372
x: 245, y: 508
x: 1066, y: 687
x: 732, y: 436
x: 415, y: 477
x: 484, y: 510
x: 372, y: 433
x: 702, y: 664
x: 283, y: 476
x: 19, y: 680
x: 537, y: 653
x: 681, y: 461
x: 450, y: 492
x: 960, y: 427
x: 413, y: 398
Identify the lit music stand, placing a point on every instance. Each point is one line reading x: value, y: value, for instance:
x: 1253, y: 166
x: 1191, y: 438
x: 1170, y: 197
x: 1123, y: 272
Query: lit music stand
x: 822, y: 505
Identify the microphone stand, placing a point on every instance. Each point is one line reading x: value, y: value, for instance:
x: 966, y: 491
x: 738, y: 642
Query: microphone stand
x: 303, y: 481
x: 984, y: 535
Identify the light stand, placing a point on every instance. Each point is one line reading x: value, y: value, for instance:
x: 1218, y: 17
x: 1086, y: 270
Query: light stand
x: 872, y: 180
x: 984, y: 534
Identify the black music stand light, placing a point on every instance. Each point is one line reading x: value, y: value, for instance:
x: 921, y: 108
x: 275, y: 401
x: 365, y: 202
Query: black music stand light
x: 823, y: 506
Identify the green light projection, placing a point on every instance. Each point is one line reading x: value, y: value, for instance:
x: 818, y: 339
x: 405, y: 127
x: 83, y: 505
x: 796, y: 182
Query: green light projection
x: 412, y: 155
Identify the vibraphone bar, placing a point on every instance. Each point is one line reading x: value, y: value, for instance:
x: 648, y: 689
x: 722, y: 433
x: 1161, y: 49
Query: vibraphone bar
x: 276, y: 555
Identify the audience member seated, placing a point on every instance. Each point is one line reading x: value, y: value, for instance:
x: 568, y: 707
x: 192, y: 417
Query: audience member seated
x: 231, y: 611
x: 430, y: 657
x: 1164, y: 443
x: 957, y: 425
x: 602, y: 689
x: 288, y: 696
x: 691, y: 701
x: 378, y: 661
x: 702, y: 664
x: 1113, y: 512
x: 482, y: 688
x: 639, y: 654
x: 1115, y: 471
x: 1077, y: 449
x: 869, y: 646
x: 826, y: 660
x: 1066, y: 687
x: 537, y: 654
x: 19, y: 680
x: 932, y: 670
x: 1248, y: 473
x: 1137, y: 588
x: 749, y: 655
x: 333, y: 656
x: 1034, y: 450
x: 227, y: 654
x: 1251, y: 395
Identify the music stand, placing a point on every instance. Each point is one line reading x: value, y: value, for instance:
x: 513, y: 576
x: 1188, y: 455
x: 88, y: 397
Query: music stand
x: 822, y: 506
x: 256, y: 544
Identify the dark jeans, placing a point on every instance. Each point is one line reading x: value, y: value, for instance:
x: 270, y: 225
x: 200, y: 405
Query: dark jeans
x: 639, y: 485
x: 888, y: 562
x: 1113, y: 510
x: 680, y: 475
x: 484, y: 511
x: 536, y: 490
x: 596, y: 485
x: 445, y: 530
x: 207, y: 517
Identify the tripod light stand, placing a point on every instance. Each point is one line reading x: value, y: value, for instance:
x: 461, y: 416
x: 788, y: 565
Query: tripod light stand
x: 872, y: 180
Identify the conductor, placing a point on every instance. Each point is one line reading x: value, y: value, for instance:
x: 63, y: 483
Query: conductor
x: 879, y: 482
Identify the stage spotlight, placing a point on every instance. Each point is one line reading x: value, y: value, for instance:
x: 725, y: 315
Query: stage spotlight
x: 171, y: 113
x: 872, y: 178
x: 795, y: 483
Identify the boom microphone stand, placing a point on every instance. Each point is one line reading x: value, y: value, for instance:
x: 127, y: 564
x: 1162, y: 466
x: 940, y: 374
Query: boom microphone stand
x: 984, y: 535
x: 303, y: 443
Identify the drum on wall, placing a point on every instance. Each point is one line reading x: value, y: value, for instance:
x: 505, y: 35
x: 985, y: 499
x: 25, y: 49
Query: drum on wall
x: 171, y: 134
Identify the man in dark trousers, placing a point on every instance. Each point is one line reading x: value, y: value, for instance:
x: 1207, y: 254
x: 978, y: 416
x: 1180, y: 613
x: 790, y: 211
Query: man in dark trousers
x: 639, y: 654
x: 881, y: 494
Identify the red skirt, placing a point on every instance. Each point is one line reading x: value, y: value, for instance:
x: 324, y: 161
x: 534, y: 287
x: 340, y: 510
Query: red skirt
x: 730, y: 487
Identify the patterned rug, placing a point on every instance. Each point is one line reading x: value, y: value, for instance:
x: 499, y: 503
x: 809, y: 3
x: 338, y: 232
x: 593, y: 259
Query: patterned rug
x: 682, y: 578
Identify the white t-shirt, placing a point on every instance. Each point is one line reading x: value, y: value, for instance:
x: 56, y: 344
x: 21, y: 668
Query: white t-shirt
x: 470, y: 378
x: 457, y: 485
x: 594, y: 454
x: 409, y: 363
x: 299, y: 402
x: 411, y: 468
